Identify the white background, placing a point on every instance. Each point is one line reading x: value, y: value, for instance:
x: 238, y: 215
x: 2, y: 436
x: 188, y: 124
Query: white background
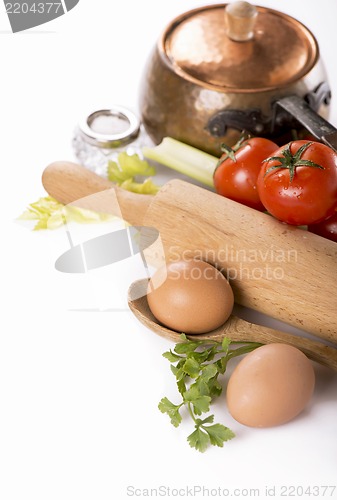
x: 79, y: 390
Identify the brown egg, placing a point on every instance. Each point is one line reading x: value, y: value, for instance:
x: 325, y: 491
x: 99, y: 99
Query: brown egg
x: 270, y: 386
x: 190, y: 296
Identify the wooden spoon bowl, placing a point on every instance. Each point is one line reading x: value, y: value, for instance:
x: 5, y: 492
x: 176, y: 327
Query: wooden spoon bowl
x: 235, y: 328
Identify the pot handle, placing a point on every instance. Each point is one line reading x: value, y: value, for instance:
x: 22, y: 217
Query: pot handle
x: 298, y: 108
x: 287, y: 113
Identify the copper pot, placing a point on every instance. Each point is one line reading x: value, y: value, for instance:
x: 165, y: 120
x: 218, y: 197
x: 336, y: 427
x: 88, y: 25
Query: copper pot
x: 220, y: 69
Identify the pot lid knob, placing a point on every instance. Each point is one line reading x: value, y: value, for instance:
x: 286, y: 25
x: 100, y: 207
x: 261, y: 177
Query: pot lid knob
x: 240, y: 20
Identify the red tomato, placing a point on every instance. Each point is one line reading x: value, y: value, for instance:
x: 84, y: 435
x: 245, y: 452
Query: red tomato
x: 236, y: 179
x: 298, y: 184
x: 327, y: 228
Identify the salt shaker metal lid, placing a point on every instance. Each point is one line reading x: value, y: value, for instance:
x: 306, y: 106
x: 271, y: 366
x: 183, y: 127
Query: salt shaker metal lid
x: 110, y: 128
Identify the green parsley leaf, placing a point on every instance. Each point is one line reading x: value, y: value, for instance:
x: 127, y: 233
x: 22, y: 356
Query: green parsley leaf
x: 218, y: 434
x: 179, y: 373
x: 200, y: 403
x: 226, y: 342
x: 207, y: 420
x: 171, y: 356
x: 199, y: 440
x: 181, y: 386
x: 208, y: 372
x: 202, y: 386
x: 165, y: 406
x: 196, y: 366
x: 192, y: 367
x: 186, y: 347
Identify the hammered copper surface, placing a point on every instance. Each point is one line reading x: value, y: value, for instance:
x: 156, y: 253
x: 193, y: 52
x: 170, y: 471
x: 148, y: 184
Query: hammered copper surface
x: 201, y: 76
x: 281, y: 51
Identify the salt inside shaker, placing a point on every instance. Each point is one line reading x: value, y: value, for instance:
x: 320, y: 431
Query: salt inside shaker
x: 101, y: 135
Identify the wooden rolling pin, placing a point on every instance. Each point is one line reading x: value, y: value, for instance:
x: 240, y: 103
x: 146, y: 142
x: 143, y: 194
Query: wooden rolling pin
x: 280, y: 270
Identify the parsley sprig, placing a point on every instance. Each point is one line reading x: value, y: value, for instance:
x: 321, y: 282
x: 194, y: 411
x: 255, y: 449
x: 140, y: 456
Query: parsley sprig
x: 197, y: 365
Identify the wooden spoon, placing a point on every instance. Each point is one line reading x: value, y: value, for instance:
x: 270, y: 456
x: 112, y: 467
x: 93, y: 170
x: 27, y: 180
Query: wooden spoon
x: 235, y: 328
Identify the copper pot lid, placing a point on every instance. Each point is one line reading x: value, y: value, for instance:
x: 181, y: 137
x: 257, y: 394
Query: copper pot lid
x: 276, y: 50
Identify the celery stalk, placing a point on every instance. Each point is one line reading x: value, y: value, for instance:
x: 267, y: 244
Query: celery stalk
x: 185, y: 159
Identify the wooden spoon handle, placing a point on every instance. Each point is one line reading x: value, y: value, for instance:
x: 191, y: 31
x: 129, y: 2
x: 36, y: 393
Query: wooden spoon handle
x: 239, y: 329
x: 68, y: 183
x: 236, y: 329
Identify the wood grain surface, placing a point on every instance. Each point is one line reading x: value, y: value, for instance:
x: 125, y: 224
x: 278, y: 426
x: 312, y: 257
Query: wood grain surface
x: 282, y: 271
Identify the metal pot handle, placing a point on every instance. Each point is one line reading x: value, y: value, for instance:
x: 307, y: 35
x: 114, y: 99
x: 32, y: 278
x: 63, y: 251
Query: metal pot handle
x: 287, y: 112
x: 306, y: 116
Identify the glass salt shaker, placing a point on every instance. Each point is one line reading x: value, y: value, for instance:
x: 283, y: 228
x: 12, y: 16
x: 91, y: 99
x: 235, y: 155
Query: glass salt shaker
x: 101, y: 135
